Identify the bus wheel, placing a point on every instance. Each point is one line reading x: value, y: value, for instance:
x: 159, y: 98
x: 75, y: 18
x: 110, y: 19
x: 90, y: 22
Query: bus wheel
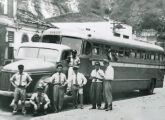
x: 150, y: 89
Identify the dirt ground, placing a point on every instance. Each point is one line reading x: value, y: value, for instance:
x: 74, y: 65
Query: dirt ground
x: 130, y: 106
x: 126, y: 106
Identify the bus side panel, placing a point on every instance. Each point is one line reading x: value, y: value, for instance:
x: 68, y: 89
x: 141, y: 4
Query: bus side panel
x: 134, y: 78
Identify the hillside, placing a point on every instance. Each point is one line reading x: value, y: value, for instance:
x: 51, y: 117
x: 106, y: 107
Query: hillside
x: 141, y: 14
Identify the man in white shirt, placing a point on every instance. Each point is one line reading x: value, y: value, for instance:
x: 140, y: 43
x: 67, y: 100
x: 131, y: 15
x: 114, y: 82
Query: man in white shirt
x: 74, y: 61
x: 77, y: 80
x: 97, y: 76
x: 20, y: 81
x: 40, y: 101
x: 107, y: 89
x: 59, y: 81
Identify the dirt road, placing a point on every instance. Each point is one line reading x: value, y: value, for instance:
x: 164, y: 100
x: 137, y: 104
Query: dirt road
x: 127, y: 106
x: 130, y: 106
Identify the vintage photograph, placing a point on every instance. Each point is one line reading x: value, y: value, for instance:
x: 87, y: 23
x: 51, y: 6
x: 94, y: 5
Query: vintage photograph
x: 82, y: 59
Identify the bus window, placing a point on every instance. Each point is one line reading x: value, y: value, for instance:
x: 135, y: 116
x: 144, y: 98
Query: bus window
x: 127, y: 53
x: 96, y: 49
x: 121, y: 52
x: 160, y: 57
x: 51, y: 39
x: 138, y: 54
x: 152, y: 56
x: 74, y: 43
x: 156, y: 57
x: 132, y: 54
x: 87, y: 48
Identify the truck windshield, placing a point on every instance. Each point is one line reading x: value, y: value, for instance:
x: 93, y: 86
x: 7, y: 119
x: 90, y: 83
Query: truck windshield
x: 43, y: 53
x: 74, y: 43
x: 51, y: 39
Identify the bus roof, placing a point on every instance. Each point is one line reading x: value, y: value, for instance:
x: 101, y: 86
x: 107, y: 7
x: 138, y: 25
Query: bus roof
x: 133, y: 44
x: 101, y: 36
x: 45, y: 45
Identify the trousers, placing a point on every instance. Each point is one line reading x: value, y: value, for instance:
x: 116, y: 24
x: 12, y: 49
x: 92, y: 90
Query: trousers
x: 96, y: 93
x: 19, y: 94
x: 58, y: 97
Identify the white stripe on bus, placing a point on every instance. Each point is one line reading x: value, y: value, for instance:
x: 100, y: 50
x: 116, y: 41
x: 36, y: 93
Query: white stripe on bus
x: 135, y: 65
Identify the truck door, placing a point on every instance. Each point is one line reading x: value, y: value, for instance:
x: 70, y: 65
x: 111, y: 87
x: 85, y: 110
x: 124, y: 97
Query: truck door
x: 65, y: 60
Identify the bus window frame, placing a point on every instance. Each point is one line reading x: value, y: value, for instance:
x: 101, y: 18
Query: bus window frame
x: 84, y: 47
x: 74, y: 38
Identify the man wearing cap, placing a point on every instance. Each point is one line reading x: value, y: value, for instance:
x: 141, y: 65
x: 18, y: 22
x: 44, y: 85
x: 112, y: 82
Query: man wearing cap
x: 97, y: 76
x: 40, y: 101
x: 74, y: 60
x: 20, y: 80
x: 78, y: 80
x: 59, y: 81
x: 107, y: 89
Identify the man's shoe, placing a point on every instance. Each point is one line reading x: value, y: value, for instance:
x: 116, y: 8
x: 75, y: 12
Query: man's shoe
x: 109, y: 108
x: 24, y: 112
x: 44, y: 113
x: 81, y: 107
x: 99, y: 108
x: 92, y: 108
x: 14, y: 112
x: 75, y: 107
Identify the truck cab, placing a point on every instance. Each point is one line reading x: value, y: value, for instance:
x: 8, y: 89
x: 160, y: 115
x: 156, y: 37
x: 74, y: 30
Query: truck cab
x: 39, y: 60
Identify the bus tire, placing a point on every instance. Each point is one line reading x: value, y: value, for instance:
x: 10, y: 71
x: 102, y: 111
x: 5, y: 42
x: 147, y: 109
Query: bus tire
x: 150, y: 89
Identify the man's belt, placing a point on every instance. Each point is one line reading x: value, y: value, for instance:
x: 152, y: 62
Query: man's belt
x: 20, y: 86
x: 57, y: 84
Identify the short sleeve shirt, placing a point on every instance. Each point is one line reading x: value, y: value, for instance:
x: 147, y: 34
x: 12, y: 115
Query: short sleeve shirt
x: 80, y: 78
x: 98, y: 74
x: 58, y: 78
x: 109, y: 73
x: 21, y: 79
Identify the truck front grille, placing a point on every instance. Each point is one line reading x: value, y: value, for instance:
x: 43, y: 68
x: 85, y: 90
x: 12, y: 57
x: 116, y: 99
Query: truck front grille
x: 5, y: 81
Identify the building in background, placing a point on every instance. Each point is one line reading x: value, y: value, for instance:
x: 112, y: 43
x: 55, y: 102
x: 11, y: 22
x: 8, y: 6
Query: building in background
x: 16, y: 26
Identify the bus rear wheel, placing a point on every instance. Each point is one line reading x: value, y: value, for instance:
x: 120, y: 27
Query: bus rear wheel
x: 150, y: 89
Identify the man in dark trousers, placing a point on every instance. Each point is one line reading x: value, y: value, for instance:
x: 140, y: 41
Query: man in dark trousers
x: 59, y: 81
x: 40, y: 102
x: 20, y: 80
x: 97, y: 76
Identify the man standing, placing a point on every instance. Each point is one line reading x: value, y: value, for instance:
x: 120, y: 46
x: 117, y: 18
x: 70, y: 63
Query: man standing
x: 59, y: 81
x: 74, y: 60
x: 107, y: 89
x: 78, y: 80
x: 97, y: 76
x: 20, y: 81
x: 40, y: 101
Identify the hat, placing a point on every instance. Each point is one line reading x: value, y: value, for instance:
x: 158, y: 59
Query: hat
x: 97, y: 63
x: 59, y: 65
x: 74, y: 51
x: 20, y: 66
x: 76, y: 67
x: 106, y: 61
x: 40, y: 88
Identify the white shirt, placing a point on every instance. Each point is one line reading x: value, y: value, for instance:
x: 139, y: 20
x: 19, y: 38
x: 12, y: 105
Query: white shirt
x: 98, y: 74
x: 58, y: 78
x: 43, y: 98
x: 21, y: 79
x: 109, y: 73
x: 74, y: 61
x: 81, y: 80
